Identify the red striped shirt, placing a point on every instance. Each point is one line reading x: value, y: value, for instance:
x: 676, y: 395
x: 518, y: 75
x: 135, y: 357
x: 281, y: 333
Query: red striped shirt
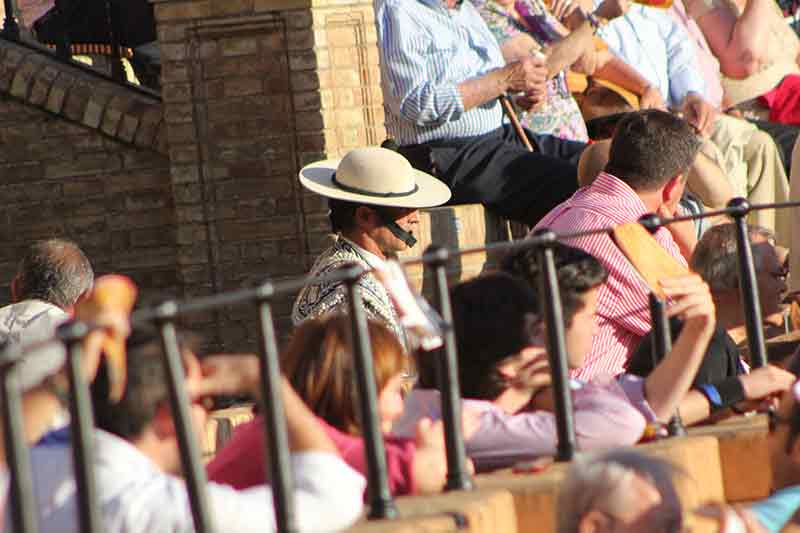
x: 623, y: 314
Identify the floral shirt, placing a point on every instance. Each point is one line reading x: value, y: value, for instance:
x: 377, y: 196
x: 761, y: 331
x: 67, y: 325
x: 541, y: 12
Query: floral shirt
x: 560, y: 115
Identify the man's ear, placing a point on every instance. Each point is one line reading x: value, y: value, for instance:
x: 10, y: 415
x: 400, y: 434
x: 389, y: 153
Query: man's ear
x: 593, y: 522
x: 15, y: 290
x: 672, y: 190
x: 163, y: 425
x: 366, y: 218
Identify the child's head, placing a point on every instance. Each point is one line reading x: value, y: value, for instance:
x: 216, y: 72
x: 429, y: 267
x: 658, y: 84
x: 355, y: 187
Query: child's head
x: 319, y: 364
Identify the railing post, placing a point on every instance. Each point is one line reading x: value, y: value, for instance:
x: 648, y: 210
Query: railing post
x: 117, y: 68
x: 556, y: 347
x: 63, y: 42
x: 276, y: 441
x: 748, y: 285
x: 193, y: 470
x: 661, y: 346
x: 10, y: 24
x: 18, y: 461
x: 380, y: 497
x: 82, y: 428
x: 458, y: 477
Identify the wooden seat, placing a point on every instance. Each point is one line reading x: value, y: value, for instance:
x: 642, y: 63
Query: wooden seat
x: 220, y: 425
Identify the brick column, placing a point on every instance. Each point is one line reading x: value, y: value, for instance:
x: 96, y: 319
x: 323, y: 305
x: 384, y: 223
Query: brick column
x: 252, y: 90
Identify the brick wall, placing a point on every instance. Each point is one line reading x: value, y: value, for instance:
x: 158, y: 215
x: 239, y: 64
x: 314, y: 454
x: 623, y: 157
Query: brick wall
x: 252, y: 90
x: 81, y: 158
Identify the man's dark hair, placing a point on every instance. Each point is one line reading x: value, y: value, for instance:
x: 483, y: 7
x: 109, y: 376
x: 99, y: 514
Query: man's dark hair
x: 55, y: 271
x: 489, y: 317
x: 145, y: 391
x: 342, y: 214
x: 651, y: 147
x: 578, y: 272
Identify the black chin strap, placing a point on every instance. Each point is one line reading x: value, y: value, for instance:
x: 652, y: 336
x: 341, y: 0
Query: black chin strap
x: 405, y: 236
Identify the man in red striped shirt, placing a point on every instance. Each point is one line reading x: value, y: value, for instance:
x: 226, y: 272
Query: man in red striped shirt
x: 646, y: 173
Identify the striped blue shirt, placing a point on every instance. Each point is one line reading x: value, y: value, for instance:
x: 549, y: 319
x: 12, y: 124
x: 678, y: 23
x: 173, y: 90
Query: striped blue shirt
x: 426, y: 50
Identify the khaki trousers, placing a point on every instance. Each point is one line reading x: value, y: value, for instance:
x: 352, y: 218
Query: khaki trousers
x: 754, y: 169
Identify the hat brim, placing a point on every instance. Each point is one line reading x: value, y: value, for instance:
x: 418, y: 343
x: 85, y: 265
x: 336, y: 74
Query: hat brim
x: 318, y: 177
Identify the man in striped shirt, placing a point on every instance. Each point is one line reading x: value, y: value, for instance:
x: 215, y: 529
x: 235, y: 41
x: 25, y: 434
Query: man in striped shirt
x: 650, y: 154
x: 442, y: 73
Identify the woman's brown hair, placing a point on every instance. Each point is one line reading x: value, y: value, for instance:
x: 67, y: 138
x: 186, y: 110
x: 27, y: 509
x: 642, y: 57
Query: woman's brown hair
x: 319, y: 364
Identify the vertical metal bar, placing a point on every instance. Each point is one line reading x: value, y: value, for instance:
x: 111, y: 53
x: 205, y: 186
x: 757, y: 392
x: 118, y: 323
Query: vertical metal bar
x: 276, y: 449
x: 63, y: 42
x: 82, y: 428
x: 661, y: 346
x: 193, y: 470
x: 380, y: 497
x: 18, y: 461
x: 449, y: 386
x: 748, y: 284
x: 556, y: 348
x: 10, y: 24
x: 115, y: 58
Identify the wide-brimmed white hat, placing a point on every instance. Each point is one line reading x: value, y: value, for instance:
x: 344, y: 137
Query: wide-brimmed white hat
x: 374, y: 176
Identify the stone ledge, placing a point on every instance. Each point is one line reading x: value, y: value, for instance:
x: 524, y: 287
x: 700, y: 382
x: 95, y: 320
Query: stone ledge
x: 40, y: 80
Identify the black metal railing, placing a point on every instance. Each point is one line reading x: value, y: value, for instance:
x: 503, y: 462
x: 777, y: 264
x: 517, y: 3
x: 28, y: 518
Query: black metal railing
x: 81, y: 27
x: 380, y: 499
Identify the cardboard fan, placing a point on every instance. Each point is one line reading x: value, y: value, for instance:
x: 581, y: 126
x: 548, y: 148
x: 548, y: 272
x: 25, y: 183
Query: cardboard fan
x: 647, y: 256
x: 111, y: 293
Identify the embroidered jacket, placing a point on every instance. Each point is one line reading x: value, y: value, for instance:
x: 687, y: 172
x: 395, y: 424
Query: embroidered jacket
x: 319, y: 299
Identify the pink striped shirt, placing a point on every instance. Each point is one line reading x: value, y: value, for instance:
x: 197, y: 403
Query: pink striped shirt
x: 623, y: 314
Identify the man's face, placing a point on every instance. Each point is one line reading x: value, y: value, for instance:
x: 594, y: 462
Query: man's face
x: 771, y: 276
x: 406, y: 218
x: 581, y: 331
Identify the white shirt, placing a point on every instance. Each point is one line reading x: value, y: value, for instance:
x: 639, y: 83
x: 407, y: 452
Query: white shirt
x: 29, y: 322
x: 137, y: 497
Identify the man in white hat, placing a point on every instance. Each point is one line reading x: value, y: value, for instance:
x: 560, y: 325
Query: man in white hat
x: 374, y: 196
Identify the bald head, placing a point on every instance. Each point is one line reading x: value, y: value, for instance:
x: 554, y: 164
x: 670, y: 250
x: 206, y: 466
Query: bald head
x: 55, y: 271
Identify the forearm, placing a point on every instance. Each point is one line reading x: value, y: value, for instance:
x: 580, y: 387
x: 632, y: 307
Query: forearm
x: 618, y: 71
x: 478, y: 91
x: 669, y: 382
x: 694, y: 407
x: 569, y: 49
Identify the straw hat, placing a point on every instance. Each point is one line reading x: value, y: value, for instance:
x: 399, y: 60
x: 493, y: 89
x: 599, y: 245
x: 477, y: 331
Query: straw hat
x: 374, y: 176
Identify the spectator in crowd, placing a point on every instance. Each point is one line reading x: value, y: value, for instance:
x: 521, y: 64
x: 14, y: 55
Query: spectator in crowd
x: 794, y: 258
x: 137, y: 457
x: 51, y: 277
x: 374, y: 196
x: 623, y: 491
x: 645, y: 173
x: 715, y: 259
x: 319, y: 364
x: 442, y: 72
x: 653, y: 43
x: 724, y: 92
x: 524, y: 27
x: 503, y: 372
x: 719, y: 383
x: 758, y: 54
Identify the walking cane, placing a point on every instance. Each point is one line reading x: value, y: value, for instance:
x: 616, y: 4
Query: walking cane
x: 512, y: 116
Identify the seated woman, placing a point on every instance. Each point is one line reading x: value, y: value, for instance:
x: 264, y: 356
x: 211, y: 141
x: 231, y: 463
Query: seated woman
x: 523, y: 26
x: 319, y: 365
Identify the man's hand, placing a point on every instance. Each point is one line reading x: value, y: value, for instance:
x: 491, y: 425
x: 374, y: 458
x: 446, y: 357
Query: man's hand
x: 683, y: 233
x: 699, y: 113
x: 611, y: 9
x: 651, y: 99
x: 430, y: 456
x: 528, y: 75
x: 227, y: 375
x: 692, y: 302
x: 562, y: 9
x: 766, y: 382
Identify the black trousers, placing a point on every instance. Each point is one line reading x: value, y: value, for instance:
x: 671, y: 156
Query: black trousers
x: 784, y: 136
x: 497, y: 171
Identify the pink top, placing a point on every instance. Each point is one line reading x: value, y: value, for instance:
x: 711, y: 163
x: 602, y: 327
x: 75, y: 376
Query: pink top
x: 709, y: 66
x: 607, y: 414
x: 623, y: 313
x: 240, y: 463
